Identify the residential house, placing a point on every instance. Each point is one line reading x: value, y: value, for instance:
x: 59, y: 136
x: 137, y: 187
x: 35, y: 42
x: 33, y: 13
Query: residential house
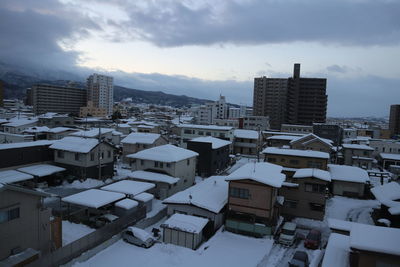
x: 58, y: 133
x: 312, y: 142
x: 348, y: 181
x: 17, y: 126
x: 388, y: 160
x: 357, y: 155
x: 190, y: 131
x: 136, y: 142
x: 280, y: 140
x: 213, y: 154
x: 52, y: 119
x: 207, y: 199
x: 6, y: 138
x: 305, y: 194
x: 167, y: 159
x: 253, y: 207
x: 84, y: 157
x: 384, y: 146
x: 388, y: 195
x: 124, y: 128
x: 293, y: 159
x: 246, y: 142
x: 24, y: 225
x: 17, y: 154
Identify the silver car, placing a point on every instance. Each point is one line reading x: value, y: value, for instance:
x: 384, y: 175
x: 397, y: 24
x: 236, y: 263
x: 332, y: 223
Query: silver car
x: 138, y: 237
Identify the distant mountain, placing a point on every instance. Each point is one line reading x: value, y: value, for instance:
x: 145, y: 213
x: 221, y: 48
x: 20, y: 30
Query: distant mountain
x: 16, y: 81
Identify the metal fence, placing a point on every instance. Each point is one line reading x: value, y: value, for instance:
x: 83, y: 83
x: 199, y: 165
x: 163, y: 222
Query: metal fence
x: 79, y: 246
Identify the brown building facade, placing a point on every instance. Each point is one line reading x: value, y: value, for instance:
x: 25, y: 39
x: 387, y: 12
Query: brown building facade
x: 394, y: 119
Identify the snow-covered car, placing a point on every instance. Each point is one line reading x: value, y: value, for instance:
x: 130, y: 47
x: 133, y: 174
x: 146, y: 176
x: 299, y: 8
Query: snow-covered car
x: 287, y: 236
x: 313, y: 239
x: 300, y: 259
x: 104, y: 219
x: 138, y: 237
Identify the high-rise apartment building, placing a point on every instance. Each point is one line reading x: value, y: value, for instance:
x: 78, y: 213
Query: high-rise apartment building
x: 394, y: 120
x: 293, y: 100
x: 1, y: 93
x: 100, y: 91
x: 60, y: 99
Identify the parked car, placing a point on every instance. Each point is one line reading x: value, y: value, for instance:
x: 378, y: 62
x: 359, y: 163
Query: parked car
x: 104, y: 219
x: 313, y: 239
x: 300, y: 259
x: 287, y: 236
x: 138, y: 237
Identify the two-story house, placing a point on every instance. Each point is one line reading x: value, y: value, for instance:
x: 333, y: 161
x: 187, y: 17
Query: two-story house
x: 306, y: 194
x: 293, y: 159
x: 190, y: 131
x: 84, y: 157
x: 357, y: 155
x: 312, y: 142
x: 348, y: 181
x: 253, y: 208
x: 136, y: 142
x: 245, y: 142
x: 167, y: 159
x: 24, y: 225
x: 213, y: 154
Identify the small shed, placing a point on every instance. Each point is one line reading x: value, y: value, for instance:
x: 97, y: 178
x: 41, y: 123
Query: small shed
x: 128, y: 187
x: 146, y: 199
x: 184, y: 230
x: 125, y: 206
x: 43, y: 172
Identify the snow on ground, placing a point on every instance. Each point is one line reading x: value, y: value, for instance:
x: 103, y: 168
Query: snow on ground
x: 157, y: 206
x: 73, y: 231
x: 223, y: 249
x: 351, y: 209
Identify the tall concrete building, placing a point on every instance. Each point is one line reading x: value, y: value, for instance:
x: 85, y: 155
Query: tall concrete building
x: 394, y: 120
x: 293, y: 100
x: 101, y: 92
x: 1, y: 93
x: 60, y: 99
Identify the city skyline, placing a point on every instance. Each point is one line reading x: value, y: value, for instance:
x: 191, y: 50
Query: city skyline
x: 205, y: 49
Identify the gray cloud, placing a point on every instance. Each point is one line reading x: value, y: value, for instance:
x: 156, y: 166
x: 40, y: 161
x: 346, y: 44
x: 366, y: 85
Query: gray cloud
x: 177, y: 23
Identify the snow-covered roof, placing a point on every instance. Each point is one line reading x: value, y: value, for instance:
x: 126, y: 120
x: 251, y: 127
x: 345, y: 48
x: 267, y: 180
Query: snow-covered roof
x: 356, y: 146
x: 123, y: 125
x: 93, y: 198
x: 376, y: 239
x: 153, y: 177
x: 262, y: 172
x: 126, y: 203
x: 337, y: 251
x: 282, y: 137
x: 248, y: 134
x: 144, y: 197
x: 41, y: 170
x: 390, y: 156
x: 164, y: 153
x: 20, y: 122
x: 13, y: 176
x: 60, y: 129
x: 185, y: 223
x: 388, y: 195
x: 117, y: 133
x: 140, y: 138
x: 75, y: 144
x: 128, y: 187
x: 312, y: 137
x: 26, y: 144
x: 341, y: 224
x: 211, y: 194
x: 311, y: 172
x: 37, y: 129
x: 205, y: 127
x: 296, y: 152
x: 348, y: 173
x: 215, y: 142
x: 93, y: 132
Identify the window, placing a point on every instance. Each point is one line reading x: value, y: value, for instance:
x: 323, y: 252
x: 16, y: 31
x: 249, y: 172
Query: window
x: 188, y: 162
x: 8, y: 215
x: 201, y: 133
x: 186, y: 131
x: 76, y: 156
x: 315, y: 188
x: 208, y: 133
x: 313, y: 164
x: 109, y: 153
x: 92, y: 156
x: 141, y: 162
x: 168, y: 165
x: 156, y: 164
x: 60, y: 154
x: 294, y: 161
x: 239, y: 192
x: 271, y: 159
x: 317, y: 207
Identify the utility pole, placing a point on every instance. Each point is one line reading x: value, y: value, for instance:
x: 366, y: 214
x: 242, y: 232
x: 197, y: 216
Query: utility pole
x: 99, y: 152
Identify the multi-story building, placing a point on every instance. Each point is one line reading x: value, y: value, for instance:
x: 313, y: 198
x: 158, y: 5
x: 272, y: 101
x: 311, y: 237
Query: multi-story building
x: 1, y: 93
x: 101, y: 92
x: 329, y: 131
x: 394, y: 120
x: 207, y: 114
x: 357, y: 155
x: 190, y: 131
x: 293, y: 100
x: 292, y: 128
x: 257, y: 123
x: 60, y: 99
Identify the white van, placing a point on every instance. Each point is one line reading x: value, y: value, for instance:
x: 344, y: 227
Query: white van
x: 138, y: 237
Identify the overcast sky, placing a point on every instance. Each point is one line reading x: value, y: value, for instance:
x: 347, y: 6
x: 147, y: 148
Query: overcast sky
x: 203, y: 48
